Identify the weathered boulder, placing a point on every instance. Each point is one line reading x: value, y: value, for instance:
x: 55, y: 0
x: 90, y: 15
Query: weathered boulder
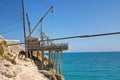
x: 7, y: 69
x: 48, y: 74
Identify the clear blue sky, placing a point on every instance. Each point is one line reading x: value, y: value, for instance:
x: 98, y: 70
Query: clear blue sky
x: 70, y: 18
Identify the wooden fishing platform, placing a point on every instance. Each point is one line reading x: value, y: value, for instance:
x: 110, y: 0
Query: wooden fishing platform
x: 35, y: 44
x: 43, y: 43
x: 54, y: 50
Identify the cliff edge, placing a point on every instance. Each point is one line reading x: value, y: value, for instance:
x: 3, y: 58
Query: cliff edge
x: 14, y: 67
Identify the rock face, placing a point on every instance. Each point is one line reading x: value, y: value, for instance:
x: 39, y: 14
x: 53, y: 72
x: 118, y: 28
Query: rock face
x: 12, y: 67
x: 28, y: 71
x: 23, y: 70
x: 7, y: 69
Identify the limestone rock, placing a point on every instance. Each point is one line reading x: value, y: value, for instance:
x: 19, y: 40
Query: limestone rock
x: 7, y: 69
x: 48, y: 74
x: 14, y: 68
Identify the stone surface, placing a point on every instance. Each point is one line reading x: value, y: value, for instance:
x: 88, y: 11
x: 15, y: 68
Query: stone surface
x: 14, y: 68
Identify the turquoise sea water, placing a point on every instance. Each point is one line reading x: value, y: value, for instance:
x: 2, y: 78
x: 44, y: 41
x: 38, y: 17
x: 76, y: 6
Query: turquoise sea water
x: 91, y: 65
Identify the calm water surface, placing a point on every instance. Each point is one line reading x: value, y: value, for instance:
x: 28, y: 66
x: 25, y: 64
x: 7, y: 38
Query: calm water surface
x: 91, y: 65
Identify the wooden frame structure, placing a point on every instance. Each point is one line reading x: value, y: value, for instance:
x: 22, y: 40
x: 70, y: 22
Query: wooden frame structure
x: 46, y: 44
x: 54, y: 50
x: 36, y: 44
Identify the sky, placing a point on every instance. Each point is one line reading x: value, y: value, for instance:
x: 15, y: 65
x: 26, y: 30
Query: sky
x: 69, y: 18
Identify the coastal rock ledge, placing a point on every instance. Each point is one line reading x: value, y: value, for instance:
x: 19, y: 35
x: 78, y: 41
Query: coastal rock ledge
x: 13, y: 67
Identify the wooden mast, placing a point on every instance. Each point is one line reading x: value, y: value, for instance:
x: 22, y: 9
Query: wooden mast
x: 24, y: 25
x: 28, y: 21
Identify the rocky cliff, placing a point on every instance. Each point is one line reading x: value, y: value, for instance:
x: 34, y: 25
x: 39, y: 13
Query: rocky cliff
x: 13, y: 67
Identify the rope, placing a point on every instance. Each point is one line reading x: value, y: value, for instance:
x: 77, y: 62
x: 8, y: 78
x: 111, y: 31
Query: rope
x: 9, y: 31
x: 15, y: 44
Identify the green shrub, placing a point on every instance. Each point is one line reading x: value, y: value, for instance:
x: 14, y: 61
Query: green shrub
x: 1, y: 51
x: 13, y: 61
x: 5, y: 43
x: 7, y: 57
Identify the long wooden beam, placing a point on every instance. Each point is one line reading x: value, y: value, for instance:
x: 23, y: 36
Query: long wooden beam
x: 15, y: 44
x: 23, y: 16
x: 84, y: 36
x: 51, y: 9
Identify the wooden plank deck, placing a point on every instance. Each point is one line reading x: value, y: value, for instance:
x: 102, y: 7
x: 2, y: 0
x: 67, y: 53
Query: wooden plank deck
x: 57, y: 47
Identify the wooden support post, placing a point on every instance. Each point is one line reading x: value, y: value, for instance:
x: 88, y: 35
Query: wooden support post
x: 61, y: 59
x: 42, y: 51
x: 61, y: 62
x: 53, y: 60
x: 28, y: 24
x: 30, y: 53
x: 37, y: 53
x: 49, y: 55
x: 42, y: 59
x: 26, y: 53
x: 56, y: 62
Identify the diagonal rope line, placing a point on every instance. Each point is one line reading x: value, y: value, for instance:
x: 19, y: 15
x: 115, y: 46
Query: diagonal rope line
x: 10, y: 31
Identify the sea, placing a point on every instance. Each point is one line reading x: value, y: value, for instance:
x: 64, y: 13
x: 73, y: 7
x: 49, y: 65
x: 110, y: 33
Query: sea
x: 91, y: 65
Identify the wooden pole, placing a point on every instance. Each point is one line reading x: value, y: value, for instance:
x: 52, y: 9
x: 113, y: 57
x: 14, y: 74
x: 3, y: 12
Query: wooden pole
x: 24, y: 27
x: 85, y: 36
x: 56, y: 61
x: 61, y: 59
x: 55, y: 57
x: 29, y: 53
x: 37, y: 53
x: 42, y: 49
x: 28, y: 24
x: 49, y: 55
x: 61, y: 62
x: 40, y: 21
